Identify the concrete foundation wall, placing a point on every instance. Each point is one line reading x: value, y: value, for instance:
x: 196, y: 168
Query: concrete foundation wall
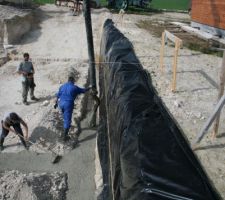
x: 16, y: 27
x: 209, y: 29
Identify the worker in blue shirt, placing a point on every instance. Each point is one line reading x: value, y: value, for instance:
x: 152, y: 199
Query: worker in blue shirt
x: 65, y: 99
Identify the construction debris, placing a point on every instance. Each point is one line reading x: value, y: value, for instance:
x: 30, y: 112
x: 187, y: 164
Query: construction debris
x: 40, y: 186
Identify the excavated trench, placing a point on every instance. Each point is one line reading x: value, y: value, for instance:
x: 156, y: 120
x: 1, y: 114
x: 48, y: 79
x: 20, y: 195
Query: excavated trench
x: 31, y: 174
x: 143, y: 153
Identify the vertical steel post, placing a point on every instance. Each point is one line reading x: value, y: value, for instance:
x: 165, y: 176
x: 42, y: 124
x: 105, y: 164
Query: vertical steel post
x: 87, y: 17
x: 91, y: 55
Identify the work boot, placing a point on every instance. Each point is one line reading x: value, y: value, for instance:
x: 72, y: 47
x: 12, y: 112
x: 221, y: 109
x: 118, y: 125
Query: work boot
x: 26, y: 147
x: 25, y: 103
x: 34, y: 98
x: 76, y: 141
x: 65, y: 136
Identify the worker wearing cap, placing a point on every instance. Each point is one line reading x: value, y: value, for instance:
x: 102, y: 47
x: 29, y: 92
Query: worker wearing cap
x: 14, y: 120
x: 26, y: 69
x: 65, y: 99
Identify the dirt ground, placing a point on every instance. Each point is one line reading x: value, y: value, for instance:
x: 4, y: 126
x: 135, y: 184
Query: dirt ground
x: 197, y: 88
x: 57, y: 46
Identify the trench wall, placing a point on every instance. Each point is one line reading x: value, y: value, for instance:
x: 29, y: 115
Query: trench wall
x: 15, y: 27
x: 143, y: 152
x: 3, y: 56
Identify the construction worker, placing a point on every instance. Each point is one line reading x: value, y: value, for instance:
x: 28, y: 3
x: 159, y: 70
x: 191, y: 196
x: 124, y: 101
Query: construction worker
x: 26, y: 69
x: 65, y: 99
x: 12, y: 119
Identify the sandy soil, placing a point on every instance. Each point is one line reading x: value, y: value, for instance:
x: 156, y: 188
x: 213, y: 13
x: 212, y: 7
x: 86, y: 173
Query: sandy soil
x: 197, y: 89
x: 59, y: 43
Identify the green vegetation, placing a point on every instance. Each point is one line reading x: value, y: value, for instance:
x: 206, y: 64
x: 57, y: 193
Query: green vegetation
x: 153, y: 6
x: 204, y: 49
x: 189, y: 41
x: 104, y: 3
x: 42, y: 2
x: 170, y: 4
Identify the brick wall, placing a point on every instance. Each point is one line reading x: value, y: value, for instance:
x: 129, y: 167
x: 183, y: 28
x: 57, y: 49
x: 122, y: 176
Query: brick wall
x: 209, y: 12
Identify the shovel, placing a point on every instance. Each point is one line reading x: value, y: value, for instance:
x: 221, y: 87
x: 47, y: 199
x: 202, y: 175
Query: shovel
x: 56, y: 157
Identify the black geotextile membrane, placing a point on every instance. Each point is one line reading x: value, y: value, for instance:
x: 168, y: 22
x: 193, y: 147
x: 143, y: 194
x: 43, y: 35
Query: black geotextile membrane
x: 150, y: 158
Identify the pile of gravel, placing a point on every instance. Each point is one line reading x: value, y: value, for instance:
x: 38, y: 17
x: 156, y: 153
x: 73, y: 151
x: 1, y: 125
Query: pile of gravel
x: 33, y: 186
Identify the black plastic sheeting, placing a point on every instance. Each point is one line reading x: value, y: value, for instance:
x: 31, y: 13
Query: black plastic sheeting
x: 150, y: 158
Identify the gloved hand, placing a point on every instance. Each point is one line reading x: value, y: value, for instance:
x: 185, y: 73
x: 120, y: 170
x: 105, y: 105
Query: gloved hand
x: 56, y: 105
x: 88, y: 88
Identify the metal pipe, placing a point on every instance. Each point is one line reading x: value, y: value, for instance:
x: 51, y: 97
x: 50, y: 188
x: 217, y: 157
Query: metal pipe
x: 91, y: 55
x: 87, y: 17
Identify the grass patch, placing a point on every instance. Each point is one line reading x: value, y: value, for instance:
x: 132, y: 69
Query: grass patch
x: 189, y: 41
x: 104, y: 3
x: 170, y: 4
x: 204, y: 49
x: 42, y: 2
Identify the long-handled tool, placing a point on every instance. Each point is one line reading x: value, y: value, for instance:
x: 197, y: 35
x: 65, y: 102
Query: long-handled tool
x: 56, y: 157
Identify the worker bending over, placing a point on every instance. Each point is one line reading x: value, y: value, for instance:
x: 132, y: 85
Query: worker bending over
x: 12, y: 119
x: 65, y: 99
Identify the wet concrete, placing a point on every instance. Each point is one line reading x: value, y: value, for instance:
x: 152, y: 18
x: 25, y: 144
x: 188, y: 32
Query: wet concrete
x: 78, y: 164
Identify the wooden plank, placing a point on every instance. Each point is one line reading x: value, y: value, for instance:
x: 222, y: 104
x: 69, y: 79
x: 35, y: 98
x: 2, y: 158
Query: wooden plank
x: 209, y: 122
x: 221, y: 92
x: 174, y: 80
x: 172, y: 37
x: 162, y: 53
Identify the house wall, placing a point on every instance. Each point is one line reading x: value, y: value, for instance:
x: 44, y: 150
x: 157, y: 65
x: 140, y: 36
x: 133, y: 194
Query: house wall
x: 209, y: 15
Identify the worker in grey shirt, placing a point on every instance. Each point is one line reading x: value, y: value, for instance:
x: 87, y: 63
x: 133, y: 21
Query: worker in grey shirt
x: 26, y: 69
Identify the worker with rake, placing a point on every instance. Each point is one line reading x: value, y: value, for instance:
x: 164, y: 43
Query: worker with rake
x: 65, y: 99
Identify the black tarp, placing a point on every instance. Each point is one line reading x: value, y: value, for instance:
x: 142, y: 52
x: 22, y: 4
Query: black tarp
x: 150, y: 158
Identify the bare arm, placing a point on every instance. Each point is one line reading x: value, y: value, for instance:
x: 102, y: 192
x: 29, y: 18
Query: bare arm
x: 26, y: 129
x: 7, y: 128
